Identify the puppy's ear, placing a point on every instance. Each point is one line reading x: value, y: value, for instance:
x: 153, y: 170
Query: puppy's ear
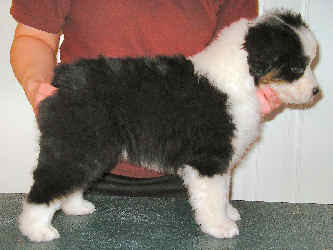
x: 259, y: 68
x: 258, y: 44
x: 261, y: 54
x: 273, y: 46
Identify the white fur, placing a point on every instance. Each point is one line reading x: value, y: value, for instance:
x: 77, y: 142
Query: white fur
x: 224, y: 63
x: 209, y: 197
x: 148, y: 165
x: 300, y: 91
x: 35, y: 220
x: 74, y: 204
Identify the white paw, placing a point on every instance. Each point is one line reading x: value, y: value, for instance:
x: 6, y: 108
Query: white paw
x: 233, y: 213
x: 82, y: 207
x: 35, y: 221
x: 39, y: 233
x: 225, y: 229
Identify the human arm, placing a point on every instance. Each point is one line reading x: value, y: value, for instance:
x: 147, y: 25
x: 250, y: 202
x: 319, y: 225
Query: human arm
x: 33, y: 58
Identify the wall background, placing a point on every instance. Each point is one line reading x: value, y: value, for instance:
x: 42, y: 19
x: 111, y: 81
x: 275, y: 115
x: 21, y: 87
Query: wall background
x: 291, y: 163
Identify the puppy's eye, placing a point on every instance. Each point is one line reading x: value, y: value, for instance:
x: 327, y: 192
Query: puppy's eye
x: 297, y: 70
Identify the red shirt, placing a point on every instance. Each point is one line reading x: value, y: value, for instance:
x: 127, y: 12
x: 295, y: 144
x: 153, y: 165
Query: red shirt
x: 131, y: 28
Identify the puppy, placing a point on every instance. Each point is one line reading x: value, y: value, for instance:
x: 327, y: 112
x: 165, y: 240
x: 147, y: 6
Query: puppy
x: 193, y: 117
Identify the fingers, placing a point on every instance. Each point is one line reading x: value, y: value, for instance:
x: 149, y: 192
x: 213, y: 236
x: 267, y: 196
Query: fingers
x: 272, y: 97
x: 268, y: 100
x: 44, y: 90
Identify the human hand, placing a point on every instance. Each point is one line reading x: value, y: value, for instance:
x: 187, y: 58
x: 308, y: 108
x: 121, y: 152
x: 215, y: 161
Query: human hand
x: 37, y: 92
x: 268, y: 100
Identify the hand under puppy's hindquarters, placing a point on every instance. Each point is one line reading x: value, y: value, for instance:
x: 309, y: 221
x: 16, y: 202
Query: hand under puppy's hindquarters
x: 43, y: 91
x: 268, y: 99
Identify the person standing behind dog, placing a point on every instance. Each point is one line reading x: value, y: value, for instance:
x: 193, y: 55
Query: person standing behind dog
x: 115, y: 29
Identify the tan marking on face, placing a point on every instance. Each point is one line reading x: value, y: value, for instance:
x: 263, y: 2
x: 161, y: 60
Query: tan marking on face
x: 270, y: 78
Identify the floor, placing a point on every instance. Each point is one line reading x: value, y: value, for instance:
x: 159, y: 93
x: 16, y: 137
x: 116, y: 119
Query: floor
x: 167, y: 223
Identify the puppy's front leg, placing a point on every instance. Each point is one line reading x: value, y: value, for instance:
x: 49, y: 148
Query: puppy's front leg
x: 231, y: 211
x: 210, y: 201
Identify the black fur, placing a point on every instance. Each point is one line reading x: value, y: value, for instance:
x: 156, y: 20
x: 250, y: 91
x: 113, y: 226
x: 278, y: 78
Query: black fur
x: 292, y: 18
x: 157, y: 109
x: 273, y: 46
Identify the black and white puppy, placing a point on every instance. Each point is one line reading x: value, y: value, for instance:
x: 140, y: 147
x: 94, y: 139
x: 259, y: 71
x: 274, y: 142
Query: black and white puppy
x: 194, y: 117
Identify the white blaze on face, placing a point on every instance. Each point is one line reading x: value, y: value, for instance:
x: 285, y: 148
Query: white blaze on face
x: 299, y: 91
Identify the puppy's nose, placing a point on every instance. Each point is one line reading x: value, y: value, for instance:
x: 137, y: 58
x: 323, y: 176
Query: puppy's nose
x: 315, y: 91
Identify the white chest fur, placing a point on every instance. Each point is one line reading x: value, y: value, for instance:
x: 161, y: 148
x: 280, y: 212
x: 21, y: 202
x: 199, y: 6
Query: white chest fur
x: 224, y: 63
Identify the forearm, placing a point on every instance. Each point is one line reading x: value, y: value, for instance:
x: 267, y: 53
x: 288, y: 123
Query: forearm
x: 33, y: 61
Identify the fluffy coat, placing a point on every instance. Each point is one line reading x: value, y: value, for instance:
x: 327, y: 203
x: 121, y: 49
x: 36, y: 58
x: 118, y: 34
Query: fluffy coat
x: 194, y: 117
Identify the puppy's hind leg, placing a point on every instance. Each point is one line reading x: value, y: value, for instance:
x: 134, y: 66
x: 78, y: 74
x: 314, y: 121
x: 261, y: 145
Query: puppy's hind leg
x: 57, y: 185
x: 75, y: 204
x: 35, y: 221
x: 53, y: 182
x: 209, y: 199
x: 59, y: 182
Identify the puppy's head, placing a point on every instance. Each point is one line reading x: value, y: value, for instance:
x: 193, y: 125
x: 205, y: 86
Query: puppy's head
x: 280, y: 50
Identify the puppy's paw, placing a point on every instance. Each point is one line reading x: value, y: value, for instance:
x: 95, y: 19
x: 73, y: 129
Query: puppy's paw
x: 233, y: 213
x: 78, y: 207
x: 35, y: 221
x: 225, y: 229
x: 39, y: 233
